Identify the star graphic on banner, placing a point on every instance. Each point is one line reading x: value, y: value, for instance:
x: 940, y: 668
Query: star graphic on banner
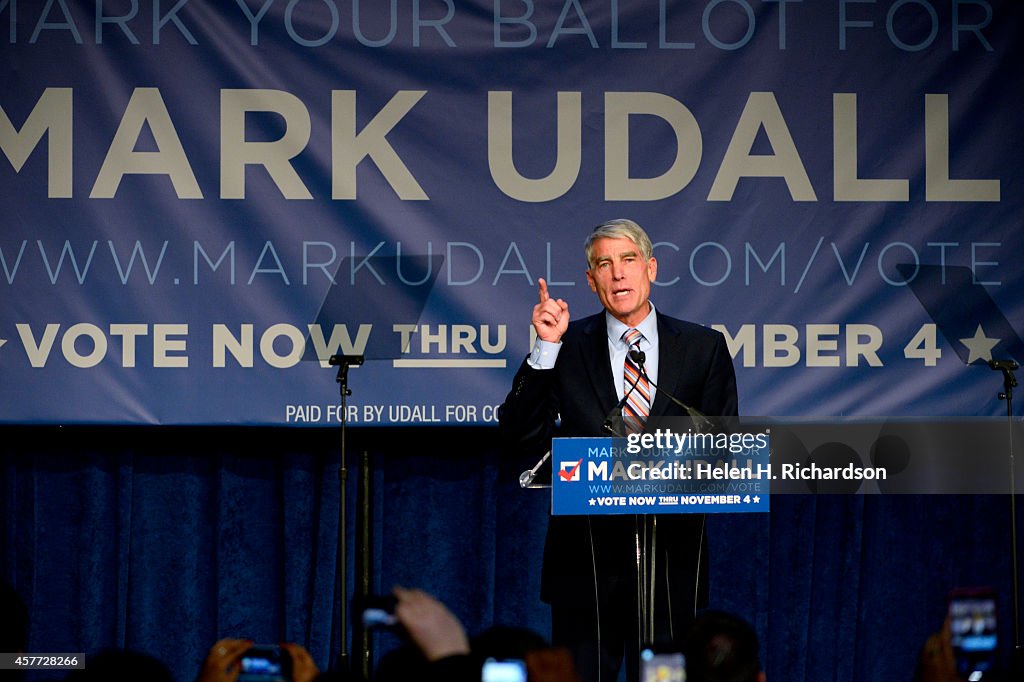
x: 2, y: 342
x: 980, y: 346
x: 592, y: 501
x: 757, y: 498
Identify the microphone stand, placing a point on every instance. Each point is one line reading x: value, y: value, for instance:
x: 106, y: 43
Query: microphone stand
x: 647, y: 545
x: 343, y: 362
x: 646, y: 535
x: 1007, y: 367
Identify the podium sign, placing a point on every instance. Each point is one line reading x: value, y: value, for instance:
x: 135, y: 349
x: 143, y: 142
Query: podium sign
x: 619, y: 476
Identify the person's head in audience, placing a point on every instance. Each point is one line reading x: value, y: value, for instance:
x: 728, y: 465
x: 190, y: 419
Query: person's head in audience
x: 721, y: 647
x: 506, y: 642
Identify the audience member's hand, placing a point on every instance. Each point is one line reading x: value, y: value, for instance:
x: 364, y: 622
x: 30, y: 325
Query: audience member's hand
x: 303, y: 667
x: 222, y: 664
x: 550, y: 316
x: 936, y: 662
x: 429, y: 623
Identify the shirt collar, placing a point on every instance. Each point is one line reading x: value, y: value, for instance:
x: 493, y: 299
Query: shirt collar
x: 648, y: 327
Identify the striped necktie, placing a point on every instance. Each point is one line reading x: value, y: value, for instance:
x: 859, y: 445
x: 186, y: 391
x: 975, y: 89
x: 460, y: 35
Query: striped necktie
x: 638, y: 404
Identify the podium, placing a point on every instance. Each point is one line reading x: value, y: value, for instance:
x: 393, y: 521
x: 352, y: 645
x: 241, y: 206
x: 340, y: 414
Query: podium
x: 615, y: 477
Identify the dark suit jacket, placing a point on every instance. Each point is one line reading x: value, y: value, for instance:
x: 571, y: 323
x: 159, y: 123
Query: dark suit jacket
x: 695, y: 367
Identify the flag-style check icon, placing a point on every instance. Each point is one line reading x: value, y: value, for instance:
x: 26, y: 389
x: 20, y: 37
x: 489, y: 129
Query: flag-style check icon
x: 570, y: 473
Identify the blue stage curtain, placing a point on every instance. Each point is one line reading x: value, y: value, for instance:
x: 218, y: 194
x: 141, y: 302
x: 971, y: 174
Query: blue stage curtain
x: 164, y: 539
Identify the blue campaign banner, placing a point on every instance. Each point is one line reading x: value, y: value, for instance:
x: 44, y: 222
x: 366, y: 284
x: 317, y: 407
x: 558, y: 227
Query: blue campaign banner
x: 204, y: 201
x: 685, y: 475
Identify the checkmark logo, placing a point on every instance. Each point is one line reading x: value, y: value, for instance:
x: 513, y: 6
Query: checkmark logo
x: 570, y: 471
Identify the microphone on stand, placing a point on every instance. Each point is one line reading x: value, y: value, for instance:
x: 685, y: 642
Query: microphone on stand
x: 615, y: 416
x: 1007, y: 367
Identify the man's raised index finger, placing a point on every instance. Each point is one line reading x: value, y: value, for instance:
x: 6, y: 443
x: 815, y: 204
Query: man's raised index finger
x: 542, y: 289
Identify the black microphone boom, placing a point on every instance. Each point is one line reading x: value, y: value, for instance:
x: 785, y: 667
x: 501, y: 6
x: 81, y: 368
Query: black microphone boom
x: 609, y: 421
x: 702, y: 421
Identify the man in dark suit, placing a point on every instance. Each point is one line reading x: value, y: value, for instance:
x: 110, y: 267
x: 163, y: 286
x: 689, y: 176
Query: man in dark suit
x: 593, y: 577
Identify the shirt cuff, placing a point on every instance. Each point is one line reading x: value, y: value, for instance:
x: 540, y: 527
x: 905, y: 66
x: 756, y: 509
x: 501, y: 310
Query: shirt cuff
x: 544, y: 354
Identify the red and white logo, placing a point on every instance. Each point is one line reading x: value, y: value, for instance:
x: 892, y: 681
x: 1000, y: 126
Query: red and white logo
x: 570, y: 471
